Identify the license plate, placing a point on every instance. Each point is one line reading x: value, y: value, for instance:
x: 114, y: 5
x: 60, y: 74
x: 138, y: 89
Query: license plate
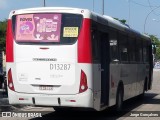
x: 44, y: 87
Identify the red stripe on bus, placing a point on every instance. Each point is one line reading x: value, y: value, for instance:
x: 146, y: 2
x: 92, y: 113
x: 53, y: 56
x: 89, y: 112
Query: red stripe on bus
x: 84, y: 43
x: 9, y: 42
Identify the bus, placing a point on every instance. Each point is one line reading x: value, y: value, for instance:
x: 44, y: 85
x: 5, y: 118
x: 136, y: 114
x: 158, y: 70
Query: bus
x: 74, y: 58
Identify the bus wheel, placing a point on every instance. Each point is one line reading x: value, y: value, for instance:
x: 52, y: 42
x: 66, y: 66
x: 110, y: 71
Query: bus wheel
x: 141, y: 96
x: 119, y: 99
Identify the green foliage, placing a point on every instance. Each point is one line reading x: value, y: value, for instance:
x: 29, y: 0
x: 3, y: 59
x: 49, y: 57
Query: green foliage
x: 122, y: 21
x: 156, y: 41
x: 157, y: 53
x: 3, y: 27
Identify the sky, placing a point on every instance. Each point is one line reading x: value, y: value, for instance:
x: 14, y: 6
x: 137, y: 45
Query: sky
x: 141, y: 15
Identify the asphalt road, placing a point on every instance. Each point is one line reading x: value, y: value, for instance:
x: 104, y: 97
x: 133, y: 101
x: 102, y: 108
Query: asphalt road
x: 135, y: 107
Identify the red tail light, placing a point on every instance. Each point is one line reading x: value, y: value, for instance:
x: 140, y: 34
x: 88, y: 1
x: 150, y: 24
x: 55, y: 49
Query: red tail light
x: 10, y: 80
x: 83, y: 83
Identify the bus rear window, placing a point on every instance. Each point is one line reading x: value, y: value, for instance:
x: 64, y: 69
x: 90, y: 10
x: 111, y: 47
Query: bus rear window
x: 50, y: 28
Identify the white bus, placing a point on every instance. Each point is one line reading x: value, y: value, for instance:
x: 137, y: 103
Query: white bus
x: 70, y: 57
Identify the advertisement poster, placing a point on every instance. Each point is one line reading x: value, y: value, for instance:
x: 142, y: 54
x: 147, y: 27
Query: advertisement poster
x: 38, y: 27
x: 70, y: 32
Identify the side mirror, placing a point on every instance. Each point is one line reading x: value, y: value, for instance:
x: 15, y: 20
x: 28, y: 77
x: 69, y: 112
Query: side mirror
x: 154, y: 48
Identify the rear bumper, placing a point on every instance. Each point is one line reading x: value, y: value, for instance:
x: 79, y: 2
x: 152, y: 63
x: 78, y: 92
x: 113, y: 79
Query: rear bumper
x: 78, y: 100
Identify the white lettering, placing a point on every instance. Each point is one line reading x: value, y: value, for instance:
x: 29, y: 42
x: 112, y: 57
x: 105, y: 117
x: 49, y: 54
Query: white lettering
x: 134, y: 115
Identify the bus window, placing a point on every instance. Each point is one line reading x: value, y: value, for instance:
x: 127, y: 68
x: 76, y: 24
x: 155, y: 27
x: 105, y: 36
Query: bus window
x: 145, y: 54
x: 139, y: 57
x: 113, y: 46
x: 41, y: 28
x: 132, y: 50
x: 123, y: 47
x: 96, y: 46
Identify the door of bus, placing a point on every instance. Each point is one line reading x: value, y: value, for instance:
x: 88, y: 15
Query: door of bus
x: 104, y: 45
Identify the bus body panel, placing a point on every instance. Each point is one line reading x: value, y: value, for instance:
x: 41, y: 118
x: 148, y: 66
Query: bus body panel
x: 55, y: 67
x: 86, y: 13
x: 77, y: 100
x: 143, y: 75
x: 133, y: 77
x: 114, y: 80
x: 128, y: 75
x: 67, y: 98
x: 52, y: 70
x: 97, y: 85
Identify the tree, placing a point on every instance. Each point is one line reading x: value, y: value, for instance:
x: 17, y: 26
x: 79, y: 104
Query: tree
x: 122, y: 21
x: 156, y: 41
x: 3, y: 27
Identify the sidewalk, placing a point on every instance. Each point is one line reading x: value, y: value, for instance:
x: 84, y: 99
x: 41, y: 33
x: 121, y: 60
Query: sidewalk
x: 156, y: 69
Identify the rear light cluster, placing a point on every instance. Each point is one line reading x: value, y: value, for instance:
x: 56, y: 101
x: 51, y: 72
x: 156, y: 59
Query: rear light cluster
x: 10, y: 80
x: 83, y: 82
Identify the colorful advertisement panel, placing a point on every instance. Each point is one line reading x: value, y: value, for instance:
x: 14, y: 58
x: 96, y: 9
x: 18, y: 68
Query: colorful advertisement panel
x: 38, y: 27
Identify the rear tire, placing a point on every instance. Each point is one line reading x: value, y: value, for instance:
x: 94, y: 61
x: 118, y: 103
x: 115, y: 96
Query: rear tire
x: 141, y: 96
x: 119, y: 99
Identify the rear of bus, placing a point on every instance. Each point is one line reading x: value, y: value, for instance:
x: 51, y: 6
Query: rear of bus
x: 49, y: 57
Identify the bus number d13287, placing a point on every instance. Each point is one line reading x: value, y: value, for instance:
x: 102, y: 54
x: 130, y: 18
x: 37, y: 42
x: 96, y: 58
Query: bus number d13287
x: 60, y: 66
